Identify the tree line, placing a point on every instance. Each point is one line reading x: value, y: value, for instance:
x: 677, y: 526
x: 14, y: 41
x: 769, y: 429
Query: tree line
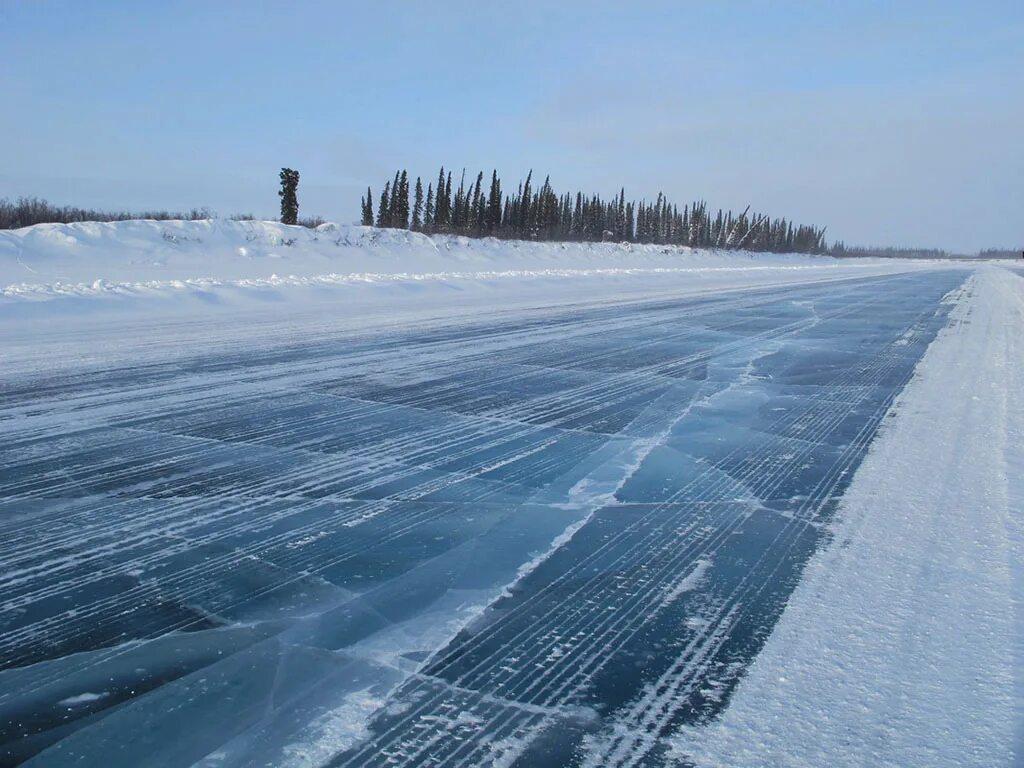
x: 1001, y: 253
x: 477, y: 208
x: 841, y: 249
x: 26, y: 211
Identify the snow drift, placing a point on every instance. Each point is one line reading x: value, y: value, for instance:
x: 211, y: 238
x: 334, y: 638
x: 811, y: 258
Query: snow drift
x: 51, y: 260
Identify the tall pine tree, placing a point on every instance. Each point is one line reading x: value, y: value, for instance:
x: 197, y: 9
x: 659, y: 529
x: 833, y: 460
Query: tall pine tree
x: 368, y: 209
x: 417, y: 207
x: 383, y: 214
x: 428, y: 211
x: 400, y: 215
x: 393, y: 209
x: 289, y: 195
x: 440, y: 212
x: 494, y: 204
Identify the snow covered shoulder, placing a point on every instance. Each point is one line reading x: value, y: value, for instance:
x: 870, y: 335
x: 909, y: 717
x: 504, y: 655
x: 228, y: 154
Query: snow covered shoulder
x: 904, y: 643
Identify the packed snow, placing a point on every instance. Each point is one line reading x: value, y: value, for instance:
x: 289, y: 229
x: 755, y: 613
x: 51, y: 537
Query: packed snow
x: 47, y: 259
x: 355, y: 497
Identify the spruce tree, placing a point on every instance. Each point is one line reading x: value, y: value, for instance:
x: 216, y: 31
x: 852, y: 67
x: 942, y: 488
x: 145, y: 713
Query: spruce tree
x: 457, y: 218
x: 428, y: 212
x: 393, y: 207
x: 506, y: 214
x: 440, y: 215
x: 476, y: 206
x: 417, y: 208
x: 383, y: 215
x: 400, y: 205
x: 368, y: 209
x: 480, y: 226
x: 620, y: 216
x: 446, y: 220
x: 576, y: 227
x: 493, y: 216
x: 289, y: 195
x: 524, y: 208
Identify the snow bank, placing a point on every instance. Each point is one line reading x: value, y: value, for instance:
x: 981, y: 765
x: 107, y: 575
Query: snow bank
x: 79, y: 255
x: 903, y: 643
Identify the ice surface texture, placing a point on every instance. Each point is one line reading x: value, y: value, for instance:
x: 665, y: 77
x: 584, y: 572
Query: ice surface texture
x: 303, y: 557
x: 902, y: 644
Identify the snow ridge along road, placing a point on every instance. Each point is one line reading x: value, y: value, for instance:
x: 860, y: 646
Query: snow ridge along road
x: 903, y: 643
x: 547, y: 538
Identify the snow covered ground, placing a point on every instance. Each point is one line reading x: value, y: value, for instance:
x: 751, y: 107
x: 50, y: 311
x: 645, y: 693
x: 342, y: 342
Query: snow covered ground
x: 51, y: 259
x: 369, y: 498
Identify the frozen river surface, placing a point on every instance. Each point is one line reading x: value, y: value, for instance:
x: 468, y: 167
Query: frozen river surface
x: 548, y: 540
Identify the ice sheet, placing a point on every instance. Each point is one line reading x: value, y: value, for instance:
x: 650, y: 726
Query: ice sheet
x: 552, y: 538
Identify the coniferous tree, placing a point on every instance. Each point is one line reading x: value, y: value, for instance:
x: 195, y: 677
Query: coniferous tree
x: 620, y: 216
x: 417, y: 207
x: 524, y: 207
x: 393, y: 205
x: 458, y: 205
x: 494, y: 204
x: 383, y: 214
x: 446, y: 198
x: 368, y: 209
x: 543, y: 214
x: 476, y: 206
x: 400, y: 206
x: 480, y: 225
x: 428, y: 211
x: 576, y: 225
x: 440, y: 217
x: 406, y: 209
x: 289, y: 195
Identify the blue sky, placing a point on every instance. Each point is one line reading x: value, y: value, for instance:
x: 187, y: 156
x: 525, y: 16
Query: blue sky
x: 891, y: 122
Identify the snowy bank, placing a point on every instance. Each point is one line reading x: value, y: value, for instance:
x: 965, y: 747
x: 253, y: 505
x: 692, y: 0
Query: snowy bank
x: 902, y: 644
x: 51, y: 260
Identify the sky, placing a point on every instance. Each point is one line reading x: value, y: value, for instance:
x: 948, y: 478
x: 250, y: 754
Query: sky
x: 893, y: 123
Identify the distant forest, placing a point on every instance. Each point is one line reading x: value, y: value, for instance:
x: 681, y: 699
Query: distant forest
x: 478, y: 209
x: 1001, y: 253
x: 840, y: 248
x: 26, y: 211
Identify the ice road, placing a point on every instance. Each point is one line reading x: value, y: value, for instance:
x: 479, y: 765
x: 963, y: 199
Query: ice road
x: 553, y: 539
